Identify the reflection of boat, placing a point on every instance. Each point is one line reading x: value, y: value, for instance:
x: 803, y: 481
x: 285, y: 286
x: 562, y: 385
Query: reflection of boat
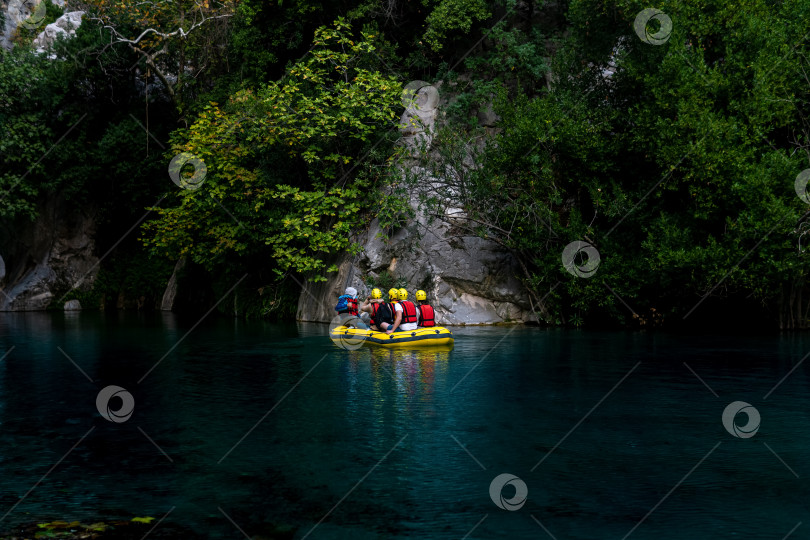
x: 436, y: 336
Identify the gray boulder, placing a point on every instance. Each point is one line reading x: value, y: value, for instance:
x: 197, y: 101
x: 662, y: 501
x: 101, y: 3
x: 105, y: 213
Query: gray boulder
x: 418, y: 121
x: 48, y: 257
x: 65, y: 26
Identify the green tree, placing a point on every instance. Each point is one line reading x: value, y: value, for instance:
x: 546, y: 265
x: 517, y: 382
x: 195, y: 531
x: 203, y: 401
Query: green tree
x: 675, y: 160
x: 73, y: 135
x: 279, y: 187
x: 452, y: 16
x: 180, y: 41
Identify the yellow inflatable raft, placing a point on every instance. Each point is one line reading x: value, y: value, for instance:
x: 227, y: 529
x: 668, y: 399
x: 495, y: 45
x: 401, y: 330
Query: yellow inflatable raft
x: 352, y: 338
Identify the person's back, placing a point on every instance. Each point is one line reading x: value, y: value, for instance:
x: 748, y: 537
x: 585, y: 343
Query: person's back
x: 384, y: 315
x: 427, y: 316
x: 378, y: 310
x: 396, y: 313
x: 410, y: 317
x: 347, y: 302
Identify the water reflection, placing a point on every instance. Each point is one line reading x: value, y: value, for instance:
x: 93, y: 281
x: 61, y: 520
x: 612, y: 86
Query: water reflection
x: 413, y: 372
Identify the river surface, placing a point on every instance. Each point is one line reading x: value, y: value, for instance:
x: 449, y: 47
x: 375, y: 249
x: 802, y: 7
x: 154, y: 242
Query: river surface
x: 270, y: 428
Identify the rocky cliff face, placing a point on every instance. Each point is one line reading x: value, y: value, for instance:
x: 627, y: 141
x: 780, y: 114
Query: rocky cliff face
x: 468, y: 280
x: 31, y: 14
x: 48, y: 257
x: 12, y: 17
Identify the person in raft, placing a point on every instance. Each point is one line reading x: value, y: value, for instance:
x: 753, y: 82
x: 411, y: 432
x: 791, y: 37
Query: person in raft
x: 348, y: 306
x: 396, y: 312
x: 406, y: 317
x: 347, y: 302
x: 427, y: 317
x: 379, y: 311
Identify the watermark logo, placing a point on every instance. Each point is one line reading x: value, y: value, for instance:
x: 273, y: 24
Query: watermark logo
x: 192, y: 182
x: 120, y: 415
x: 730, y: 414
x: 420, y: 96
x: 642, y: 26
x: 32, y: 13
x: 572, y: 259
x: 801, y: 185
x: 496, y: 492
x: 347, y: 332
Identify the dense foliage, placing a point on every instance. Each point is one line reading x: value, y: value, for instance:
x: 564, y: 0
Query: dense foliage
x: 676, y: 162
x: 675, y: 157
x: 278, y: 159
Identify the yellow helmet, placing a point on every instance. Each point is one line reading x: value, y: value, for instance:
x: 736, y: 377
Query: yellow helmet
x: 420, y: 295
x: 403, y: 294
x: 376, y: 293
x: 393, y: 294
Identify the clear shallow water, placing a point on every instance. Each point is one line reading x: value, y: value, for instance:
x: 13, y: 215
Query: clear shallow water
x: 600, y: 426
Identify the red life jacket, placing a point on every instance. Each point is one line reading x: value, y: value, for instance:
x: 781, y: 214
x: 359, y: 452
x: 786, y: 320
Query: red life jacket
x: 426, y: 315
x: 408, y: 312
x: 385, y: 316
x: 351, y: 307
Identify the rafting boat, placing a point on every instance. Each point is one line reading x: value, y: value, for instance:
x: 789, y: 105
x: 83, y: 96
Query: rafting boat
x: 352, y: 338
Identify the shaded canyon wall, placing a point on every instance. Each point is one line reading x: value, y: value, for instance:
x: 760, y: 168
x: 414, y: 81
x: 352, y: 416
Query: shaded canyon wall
x: 468, y: 280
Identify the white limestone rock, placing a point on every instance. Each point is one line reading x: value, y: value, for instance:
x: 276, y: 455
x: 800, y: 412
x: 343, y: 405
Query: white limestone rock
x: 65, y: 26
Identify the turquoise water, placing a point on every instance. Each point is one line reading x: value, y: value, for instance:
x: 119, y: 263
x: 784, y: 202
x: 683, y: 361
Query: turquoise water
x: 275, y: 427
